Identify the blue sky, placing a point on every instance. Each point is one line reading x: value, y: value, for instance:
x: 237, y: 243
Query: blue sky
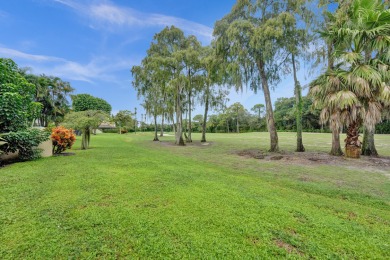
x: 94, y: 43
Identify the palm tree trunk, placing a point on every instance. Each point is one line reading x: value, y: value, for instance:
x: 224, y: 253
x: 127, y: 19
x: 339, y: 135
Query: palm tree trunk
x: 298, y: 104
x: 336, y: 147
x: 368, y: 147
x: 206, y: 110
x: 268, y: 106
x: 352, y: 143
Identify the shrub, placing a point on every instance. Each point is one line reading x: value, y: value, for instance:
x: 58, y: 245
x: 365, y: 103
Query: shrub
x: 110, y: 130
x: 62, y: 139
x: 49, y: 128
x: 25, y: 142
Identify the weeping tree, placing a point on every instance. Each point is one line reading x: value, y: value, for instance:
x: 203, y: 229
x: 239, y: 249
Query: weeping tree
x: 298, y: 35
x: 152, y: 107
x: 175, y: 58
x: 147, y: 80
x: 191, y: 59
x: 85, y: 121
x: 167, y: 50
x: 212, y: 94
x: 251, y: 40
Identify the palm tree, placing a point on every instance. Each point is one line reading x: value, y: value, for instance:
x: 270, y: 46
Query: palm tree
x: 354, y: 92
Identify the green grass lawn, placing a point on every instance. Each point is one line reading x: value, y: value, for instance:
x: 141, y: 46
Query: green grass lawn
x: 130, y: 197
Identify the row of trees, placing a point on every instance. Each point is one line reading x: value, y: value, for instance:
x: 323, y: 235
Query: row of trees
x: 176, y: 73
x: 236, y: 118
x: 259, y: 42
x: 254, y: 46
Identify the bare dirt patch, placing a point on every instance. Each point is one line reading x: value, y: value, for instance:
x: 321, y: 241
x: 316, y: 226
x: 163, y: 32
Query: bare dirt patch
x: 380, y: 163
x: 193, y: 144
x: 288, y: 247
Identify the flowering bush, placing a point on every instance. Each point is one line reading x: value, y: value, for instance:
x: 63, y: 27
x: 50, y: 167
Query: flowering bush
x: 62, y: 138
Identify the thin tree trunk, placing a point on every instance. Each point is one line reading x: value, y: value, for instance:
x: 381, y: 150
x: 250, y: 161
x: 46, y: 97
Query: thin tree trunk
x: 84, y: 139
x: 155, y: 128
x: 298, y: 104
x: 189, y: 139
x: 186, y: 127
x: 162, y: 126
x: 368, y: 147
x: 179, y: 119
x: 237, y: 125
x: 268, y: 105
x: 88, y: 137
x: 173, y: 124
x: 206, y: 110
x: 227, y: 125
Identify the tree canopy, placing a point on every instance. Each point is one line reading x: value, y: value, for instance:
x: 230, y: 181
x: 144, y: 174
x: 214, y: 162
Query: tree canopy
x: 84, y: 102
x: 17, y: 106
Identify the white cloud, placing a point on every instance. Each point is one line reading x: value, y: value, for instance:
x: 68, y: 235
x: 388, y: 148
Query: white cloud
x: 98, y: 68
x: 108, y: 16
x: 18, y: 54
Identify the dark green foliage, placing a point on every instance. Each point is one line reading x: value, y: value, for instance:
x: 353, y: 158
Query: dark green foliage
x: 17, y: 106
x: 123, y: 119
x: 25, y: 143
x: 383, y: 128
x: 83, y: 102
x: 285, y: 118
x: 110, y: 130
x: 52, y: 93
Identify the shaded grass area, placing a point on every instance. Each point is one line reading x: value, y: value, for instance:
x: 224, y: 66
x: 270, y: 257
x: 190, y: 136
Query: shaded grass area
x: 131, y: 197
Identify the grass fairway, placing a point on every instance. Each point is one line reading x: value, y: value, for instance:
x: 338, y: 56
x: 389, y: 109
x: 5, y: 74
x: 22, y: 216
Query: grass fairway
x: 130, y: 197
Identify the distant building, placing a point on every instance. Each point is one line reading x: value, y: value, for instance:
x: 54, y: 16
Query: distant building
x: 107, y: 125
